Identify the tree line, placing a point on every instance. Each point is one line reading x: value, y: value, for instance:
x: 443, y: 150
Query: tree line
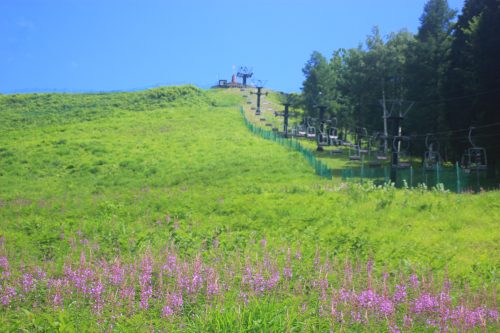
x: 448, y: 72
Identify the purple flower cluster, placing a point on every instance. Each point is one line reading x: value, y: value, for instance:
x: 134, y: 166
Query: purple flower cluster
x: 344, y: 295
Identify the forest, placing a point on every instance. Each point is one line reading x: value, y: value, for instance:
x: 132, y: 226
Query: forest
x: 445, y: 79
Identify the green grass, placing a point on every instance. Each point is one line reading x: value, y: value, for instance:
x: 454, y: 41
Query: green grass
x: 113, y: 176
x: 112, y: 165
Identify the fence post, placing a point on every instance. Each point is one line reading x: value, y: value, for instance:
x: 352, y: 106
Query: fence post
x: 411, y: 176
x: 437, y: 174
x: 362, y: 167
x: 458, y: 177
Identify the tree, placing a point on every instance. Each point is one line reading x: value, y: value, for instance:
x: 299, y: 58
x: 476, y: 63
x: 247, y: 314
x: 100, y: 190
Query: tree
x: 473, y: 82
x: 317, y: 84
x: 428, y: 61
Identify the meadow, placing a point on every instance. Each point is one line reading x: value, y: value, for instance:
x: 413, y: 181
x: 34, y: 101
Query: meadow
x: 159, y: 211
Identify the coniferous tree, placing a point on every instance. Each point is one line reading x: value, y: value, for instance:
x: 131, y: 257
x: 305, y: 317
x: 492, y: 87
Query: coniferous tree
x: 426, y: 67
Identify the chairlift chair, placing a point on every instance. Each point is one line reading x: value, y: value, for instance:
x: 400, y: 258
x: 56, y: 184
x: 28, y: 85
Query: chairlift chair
x: 323, y: 139
x: 345, y: 141
x: 474, y: 157
x: 380, y: 153
x: 311, y: 132
x: 333, y: 135
x: 401, y: 145
x: 354, y: 155
x: 301, y: 131
x: 362, y: 141
x: 432, y: 158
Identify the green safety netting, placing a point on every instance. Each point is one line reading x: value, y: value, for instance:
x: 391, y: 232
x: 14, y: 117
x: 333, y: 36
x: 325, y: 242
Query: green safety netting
x: 452, y: 178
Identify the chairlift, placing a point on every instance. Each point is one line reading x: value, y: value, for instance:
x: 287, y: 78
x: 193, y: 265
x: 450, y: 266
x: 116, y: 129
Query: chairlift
x: 333, y: 133
x: 322, y: 138
x: 372, y: 162
x: 311, y: 132
x: 355, y: 154
x: 343, y: 139
x: 362, y: 141
x: 432, y: 158
x: 381, y: 153
x: 401, y: 146
x: 474, y: 157
x: 301, y: 131
x: 309, y: 129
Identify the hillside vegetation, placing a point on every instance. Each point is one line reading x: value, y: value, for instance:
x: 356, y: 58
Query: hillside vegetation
x: 92, y: 180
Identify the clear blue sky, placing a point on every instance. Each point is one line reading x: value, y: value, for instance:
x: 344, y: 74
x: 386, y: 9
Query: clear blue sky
x: 102, y: 45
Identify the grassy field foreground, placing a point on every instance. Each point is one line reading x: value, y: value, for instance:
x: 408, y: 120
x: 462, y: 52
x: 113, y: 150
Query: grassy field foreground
x: 160, y: 210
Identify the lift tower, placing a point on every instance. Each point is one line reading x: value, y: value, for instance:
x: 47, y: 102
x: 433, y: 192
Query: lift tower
x: 245, y: 73
x: 285, y: 114
x: 396, y: 118
x: 259, y: 85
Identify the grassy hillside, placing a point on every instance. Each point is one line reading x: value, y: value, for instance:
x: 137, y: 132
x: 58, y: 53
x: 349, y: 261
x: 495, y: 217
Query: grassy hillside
x: 127, y: 175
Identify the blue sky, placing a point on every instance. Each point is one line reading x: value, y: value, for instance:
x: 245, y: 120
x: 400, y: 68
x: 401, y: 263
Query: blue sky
x: 105, y: 45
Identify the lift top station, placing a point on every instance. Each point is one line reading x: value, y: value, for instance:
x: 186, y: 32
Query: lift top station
x: 243, y: 72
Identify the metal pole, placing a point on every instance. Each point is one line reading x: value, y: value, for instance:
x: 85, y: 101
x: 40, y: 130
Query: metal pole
x: 385, y: 121
x: 362, y: 168
x: 395, y: 156
x: 258, y: 100
x: 458, y: 177
x: 437, y: 174
x: 411, y: 176
x: 322, y: 109
x: 285, y: 120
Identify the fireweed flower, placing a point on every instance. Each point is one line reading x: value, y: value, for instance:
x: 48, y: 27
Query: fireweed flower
x: 400, y: 293
x: 145, y: 281
x: 116, y: 274
x: 414, y: 281
x: 425, y: 303
x: 7, y: 295
x: 386, y: 307
x: 4, y: 264
x: 368, y: 299
x: 27, y: 282
x: 212, y: 282
x: 287, y: 273
x: 167, y: 311
x: 110, y: 286
x: 96, y: 293
x: 263, y: 242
